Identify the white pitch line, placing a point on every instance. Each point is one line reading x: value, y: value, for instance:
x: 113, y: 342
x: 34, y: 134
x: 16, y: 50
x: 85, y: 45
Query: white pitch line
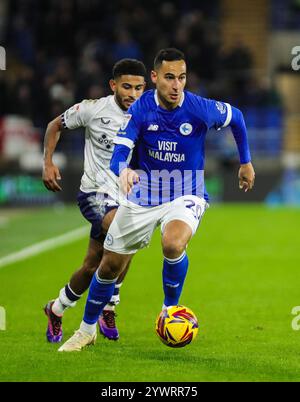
x: 44, y: 245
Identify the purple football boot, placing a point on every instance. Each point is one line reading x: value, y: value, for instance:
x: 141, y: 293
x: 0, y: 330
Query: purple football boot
x: 54, y: 330
x: 107, y: 325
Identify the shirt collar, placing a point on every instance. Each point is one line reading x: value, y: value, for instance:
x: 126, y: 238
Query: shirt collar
x: 115, y: 105
x: 157, y: 102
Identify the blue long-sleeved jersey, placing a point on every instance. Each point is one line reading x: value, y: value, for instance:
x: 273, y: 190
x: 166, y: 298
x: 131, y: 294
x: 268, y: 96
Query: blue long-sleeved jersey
x: 169, y: 145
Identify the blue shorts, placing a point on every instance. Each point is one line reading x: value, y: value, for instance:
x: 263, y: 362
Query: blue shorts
x: 94, y: 206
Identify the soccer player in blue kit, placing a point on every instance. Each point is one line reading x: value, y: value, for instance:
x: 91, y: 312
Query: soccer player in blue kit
x: 166, y: 128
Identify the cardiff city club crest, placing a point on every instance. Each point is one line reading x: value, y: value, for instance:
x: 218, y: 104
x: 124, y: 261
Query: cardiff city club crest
x: 186, y: 128
x: 109, y: 239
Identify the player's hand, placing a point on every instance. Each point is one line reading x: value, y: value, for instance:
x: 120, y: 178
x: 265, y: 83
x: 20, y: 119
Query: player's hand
x: 50, y: 177
x: 246, y: 177
x: 128, y: 178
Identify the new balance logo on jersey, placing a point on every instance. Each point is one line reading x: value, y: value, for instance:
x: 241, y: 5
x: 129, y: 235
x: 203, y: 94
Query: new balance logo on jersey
x: 153, y: 127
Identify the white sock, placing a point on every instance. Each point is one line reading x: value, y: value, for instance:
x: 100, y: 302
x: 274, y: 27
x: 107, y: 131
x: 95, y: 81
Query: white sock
x: 62, y: 303
x: 115, y: 299
x: 89, y: 328
x: 110, y: 307
x: 58, y: 308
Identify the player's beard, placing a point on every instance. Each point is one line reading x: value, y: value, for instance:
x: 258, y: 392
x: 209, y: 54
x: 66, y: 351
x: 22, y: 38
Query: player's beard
x: 120, y: 101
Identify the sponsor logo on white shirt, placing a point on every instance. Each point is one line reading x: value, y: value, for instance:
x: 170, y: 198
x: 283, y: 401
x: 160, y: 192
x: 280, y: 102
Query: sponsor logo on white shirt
x: 104, y: 121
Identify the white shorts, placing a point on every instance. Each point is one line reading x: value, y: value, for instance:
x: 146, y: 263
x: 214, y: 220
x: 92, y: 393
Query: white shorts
x: 133, y: 225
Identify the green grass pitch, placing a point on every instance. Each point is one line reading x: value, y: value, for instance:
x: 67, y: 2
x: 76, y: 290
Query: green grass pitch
x: 242, y: 284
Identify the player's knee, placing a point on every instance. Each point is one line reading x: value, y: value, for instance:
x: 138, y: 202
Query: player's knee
x: 89, y: 270
x: 90, y: 265
x: 173, y: 248
x: 110, y: 268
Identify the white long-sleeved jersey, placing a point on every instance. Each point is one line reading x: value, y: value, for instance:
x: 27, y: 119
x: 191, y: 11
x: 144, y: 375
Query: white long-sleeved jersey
x: 102, y: 118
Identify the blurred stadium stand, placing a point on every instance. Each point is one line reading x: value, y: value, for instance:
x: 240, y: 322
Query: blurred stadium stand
x: 60, y: 52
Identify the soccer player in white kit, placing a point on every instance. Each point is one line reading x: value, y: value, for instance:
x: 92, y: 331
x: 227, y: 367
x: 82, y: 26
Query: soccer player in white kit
x: 97, y: 199
x: 167, y: 129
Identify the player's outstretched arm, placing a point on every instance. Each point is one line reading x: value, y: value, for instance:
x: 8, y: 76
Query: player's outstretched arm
x: 246, y: 173
x: 51, y: 172
x: 119, y: 166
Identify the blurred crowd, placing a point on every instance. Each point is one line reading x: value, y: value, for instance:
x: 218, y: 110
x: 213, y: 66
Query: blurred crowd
x: 60, y: 52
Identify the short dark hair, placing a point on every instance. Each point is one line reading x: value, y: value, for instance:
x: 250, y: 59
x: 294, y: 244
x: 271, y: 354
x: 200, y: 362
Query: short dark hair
x: 128, y: 67
x: 168, y: 54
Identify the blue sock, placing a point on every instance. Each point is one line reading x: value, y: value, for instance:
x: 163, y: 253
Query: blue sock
x: 100, y: 293
x: 174, y: 273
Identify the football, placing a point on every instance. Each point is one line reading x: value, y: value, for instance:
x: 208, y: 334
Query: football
x: 176, y: 326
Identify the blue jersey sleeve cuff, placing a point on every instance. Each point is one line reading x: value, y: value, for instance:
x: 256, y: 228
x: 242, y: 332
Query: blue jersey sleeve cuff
x: 119, y: 159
